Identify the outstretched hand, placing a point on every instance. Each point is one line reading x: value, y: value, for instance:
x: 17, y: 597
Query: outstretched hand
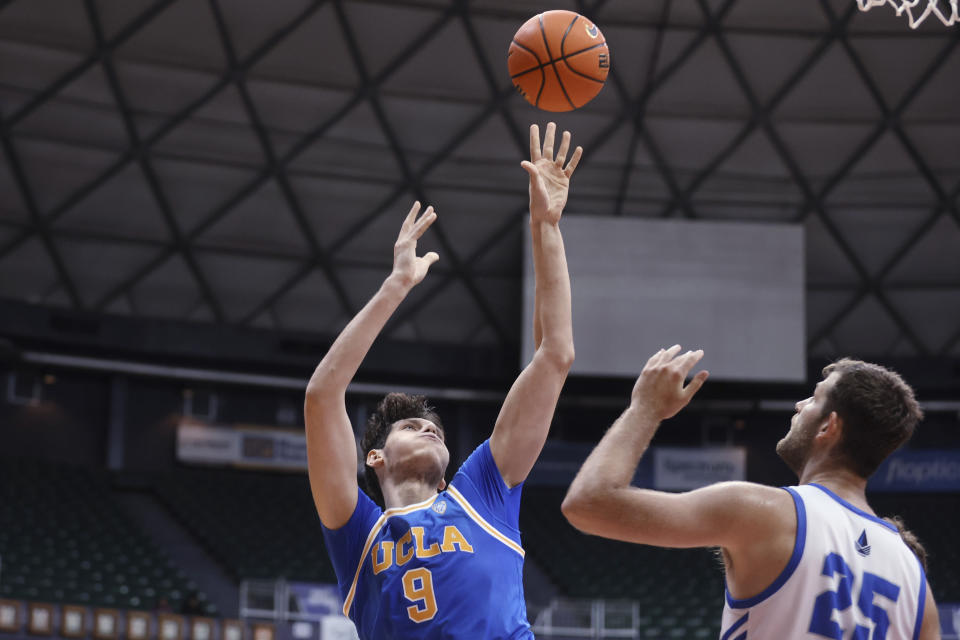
x: 660, y: 389
x: 549, y: 179
x: 408, y: 267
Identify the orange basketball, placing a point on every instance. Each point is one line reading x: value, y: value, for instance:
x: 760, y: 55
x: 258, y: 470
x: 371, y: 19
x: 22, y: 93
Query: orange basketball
x: 558, y: 60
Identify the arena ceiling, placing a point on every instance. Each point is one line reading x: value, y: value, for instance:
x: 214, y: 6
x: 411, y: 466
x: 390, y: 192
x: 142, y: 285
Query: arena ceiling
x: 248, y: 163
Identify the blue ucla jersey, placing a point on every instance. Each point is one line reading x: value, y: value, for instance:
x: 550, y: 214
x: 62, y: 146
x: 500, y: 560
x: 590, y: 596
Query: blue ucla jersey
x: 447, y: 567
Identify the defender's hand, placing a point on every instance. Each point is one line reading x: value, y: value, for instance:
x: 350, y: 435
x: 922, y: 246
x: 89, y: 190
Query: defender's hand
x: 408, y: 267
x: 659, y: 389
x: 549, y: 179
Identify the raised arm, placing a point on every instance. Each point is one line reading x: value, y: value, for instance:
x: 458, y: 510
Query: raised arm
x: 331, y: 449
x: 524, y: 420
x: 601, y: 500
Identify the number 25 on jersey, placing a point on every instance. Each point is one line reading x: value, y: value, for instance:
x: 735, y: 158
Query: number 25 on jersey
x: 871, y: 585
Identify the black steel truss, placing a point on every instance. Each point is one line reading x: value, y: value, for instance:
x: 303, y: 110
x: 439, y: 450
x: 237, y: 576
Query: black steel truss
x: 632, y: 111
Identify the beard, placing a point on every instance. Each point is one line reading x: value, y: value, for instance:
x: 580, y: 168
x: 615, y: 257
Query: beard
x: 794, y: 448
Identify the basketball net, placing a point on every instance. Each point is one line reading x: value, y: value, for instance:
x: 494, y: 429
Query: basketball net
x: 911, y: 6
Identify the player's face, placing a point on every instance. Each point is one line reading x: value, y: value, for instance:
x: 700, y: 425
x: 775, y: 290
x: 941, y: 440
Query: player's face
x: 795, y: 447
x: 416, y: 446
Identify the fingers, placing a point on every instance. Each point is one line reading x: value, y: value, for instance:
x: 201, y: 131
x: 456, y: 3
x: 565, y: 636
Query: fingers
x: 411, y: 216
x: 534, y: 142
x: 652, y: 360
x: 431, y: 258
x: 548, y: 140
x: 574, y: 161
x: 564, y: 147
x: 421, y: 225
x: 695, y: 384
x: 669, y: 354
x: 531, y: 168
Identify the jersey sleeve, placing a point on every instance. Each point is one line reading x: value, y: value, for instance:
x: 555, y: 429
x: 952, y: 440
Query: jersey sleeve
x: 345, y: 545
x: 480, y: 481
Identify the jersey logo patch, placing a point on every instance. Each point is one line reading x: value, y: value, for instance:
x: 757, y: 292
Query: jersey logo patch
x: 863, y: 547
x: 440, y: 506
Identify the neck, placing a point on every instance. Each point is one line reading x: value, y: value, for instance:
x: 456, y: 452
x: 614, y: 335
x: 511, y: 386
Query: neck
x: 843, y: 482
x: 407, y: 492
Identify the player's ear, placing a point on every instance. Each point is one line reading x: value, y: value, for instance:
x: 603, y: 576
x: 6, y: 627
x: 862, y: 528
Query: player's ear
x: 375, y: 458
x: 442, y: 485
x: 831, y: 426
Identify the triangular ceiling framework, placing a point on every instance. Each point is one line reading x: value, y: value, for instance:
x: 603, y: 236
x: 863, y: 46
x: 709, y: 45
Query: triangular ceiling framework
x: 127, y: 193
x: 98, y: 266
x: 12, y: 207
x: 26, y: 273
x: 311, y: 305
x: 195, y: 189
x: 314, y: 53
x: 168, y: 291
x: 868, y: 328
x: 876, y: 235
x: 384, y: 30
x: 221, y: 136
x: 252, y: 23
x: 936, y: 312
x: 933, y: 259
x: 261, y: 220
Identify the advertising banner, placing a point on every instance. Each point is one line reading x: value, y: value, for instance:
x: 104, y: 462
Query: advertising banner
x: 242, y: 446
x: 685, y: 468
x: 918, y: 470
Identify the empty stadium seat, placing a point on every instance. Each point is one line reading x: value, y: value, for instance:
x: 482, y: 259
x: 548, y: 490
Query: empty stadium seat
x: 257, y: 525
x: 63, y: 539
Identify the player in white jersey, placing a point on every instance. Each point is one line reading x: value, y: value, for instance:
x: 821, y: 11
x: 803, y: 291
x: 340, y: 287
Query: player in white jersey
x: 804, y: 562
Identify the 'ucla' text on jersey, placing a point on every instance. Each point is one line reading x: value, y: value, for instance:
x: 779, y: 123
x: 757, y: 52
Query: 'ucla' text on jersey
x: 447, y: 567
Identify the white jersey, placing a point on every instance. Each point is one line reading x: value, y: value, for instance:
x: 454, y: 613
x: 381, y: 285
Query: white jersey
x: 851, y: 577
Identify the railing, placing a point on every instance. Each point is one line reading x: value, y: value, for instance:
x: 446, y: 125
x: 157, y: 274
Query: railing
x: 595, y: 619
x: 301, y: 611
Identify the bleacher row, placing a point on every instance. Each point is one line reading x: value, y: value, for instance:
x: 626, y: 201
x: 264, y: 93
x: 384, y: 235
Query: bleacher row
x: 65, y: 540
x: 72, y: 621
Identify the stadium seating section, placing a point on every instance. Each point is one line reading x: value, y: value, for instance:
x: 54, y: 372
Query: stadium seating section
x: 936, y: 522
x: 257, y: 525
x: 679, y: 590
x: 63, y: 539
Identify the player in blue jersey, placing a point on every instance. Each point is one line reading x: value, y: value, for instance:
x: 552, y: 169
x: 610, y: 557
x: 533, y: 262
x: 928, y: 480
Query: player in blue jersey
x: 441, y: 561
x: 804, y: 562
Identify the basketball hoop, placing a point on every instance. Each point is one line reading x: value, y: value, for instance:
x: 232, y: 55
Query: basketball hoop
x: 947, y: 17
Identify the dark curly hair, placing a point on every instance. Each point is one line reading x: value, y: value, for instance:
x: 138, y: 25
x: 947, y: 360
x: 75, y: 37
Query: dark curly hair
x: 878, y: 409
x: 910, y: 539
x: 393, y: 407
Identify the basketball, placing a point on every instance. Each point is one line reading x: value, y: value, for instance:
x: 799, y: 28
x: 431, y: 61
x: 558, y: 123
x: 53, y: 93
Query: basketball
x: 558, y: 60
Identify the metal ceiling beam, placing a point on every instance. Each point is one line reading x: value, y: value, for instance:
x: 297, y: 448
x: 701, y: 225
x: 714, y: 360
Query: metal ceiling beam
x: 413, y: 180
x: 754, y: 121
x: 498, y: 94
x: 298, y: 147
x: 171, y: 123
x: 136, y: 147
x: 893, y: 117
x: 598, y: 140
x: 320, y: 257
x: 39, y: 225
x: 69, y: 76
x: 641, y: 109
x: 635, y: 110
x: 800, y: 179
x: 893, y: 120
